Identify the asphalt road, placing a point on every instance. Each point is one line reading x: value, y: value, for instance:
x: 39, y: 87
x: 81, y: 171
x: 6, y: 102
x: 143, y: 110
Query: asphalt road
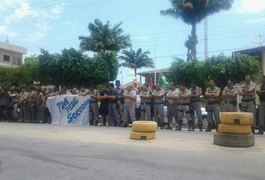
x: 47, y: 152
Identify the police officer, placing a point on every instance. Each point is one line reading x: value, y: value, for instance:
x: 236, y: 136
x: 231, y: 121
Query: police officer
x: 195, y: 104
x: 158, y: 98
x: 183, y: 107
x: 23, y: 104
x: 212, y: 93
x: 248, y: 97
x: 120, y: 99
x: 93, y: 106
x: 230, y: 97
x: 114, y: 116
x: 261, y: 94
x: 32, y: 104
x: 40, y: 103
x: 146, y: 100
x: 14, y: 102
x: 172, y: 97
x: 129, y: 105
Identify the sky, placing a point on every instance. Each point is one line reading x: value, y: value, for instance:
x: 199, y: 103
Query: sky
x: 56, y: 24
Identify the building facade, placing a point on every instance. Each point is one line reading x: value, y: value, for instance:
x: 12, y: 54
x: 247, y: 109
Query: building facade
x: 11, y: 55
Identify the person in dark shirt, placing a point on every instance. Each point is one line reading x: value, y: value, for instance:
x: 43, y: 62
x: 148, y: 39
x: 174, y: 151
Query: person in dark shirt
x: 261, y: 113
x: 114, y: 116
x: 104, y: 105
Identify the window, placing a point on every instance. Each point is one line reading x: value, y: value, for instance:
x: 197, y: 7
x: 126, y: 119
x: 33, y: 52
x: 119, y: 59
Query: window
x: 19, y: 61
x: 6, y: 58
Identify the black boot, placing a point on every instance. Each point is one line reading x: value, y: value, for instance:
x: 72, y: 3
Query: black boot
x: 209, y: 128
x: 190, y: 125
x: 168, y: 126
x: 179, y: 128
x: 200, y: 127
x: 161, y: 126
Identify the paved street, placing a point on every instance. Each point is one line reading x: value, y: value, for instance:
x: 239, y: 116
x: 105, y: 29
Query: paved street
x: 47, y: 152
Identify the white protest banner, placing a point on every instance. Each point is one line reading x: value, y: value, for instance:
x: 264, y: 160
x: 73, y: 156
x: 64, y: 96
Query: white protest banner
x: 69, y: 109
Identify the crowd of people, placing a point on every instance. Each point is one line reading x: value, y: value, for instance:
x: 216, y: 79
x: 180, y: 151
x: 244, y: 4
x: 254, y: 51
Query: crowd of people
x: 116, y: 106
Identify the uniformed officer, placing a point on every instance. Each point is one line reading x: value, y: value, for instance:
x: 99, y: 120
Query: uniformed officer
x: 248, y: 97
x: 32, y: 104
x: 195, y: 104
x: 23, y: 104
x: 120, y: 99
x: 261, y: 94
x: 114, y: 116
x: 230, y: 97
x: 212, y: 93
x: 129, y: 105
x: 184, y: 107
x: 146, y: 97
x: 158, y: 100
x: 93, y: 106
x: 172, y: 97
x: 138, y: 103
x: 14, y: 102
x: 40, y: 104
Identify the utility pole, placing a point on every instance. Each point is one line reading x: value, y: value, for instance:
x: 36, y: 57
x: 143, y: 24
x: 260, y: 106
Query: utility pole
x: 206, y: 38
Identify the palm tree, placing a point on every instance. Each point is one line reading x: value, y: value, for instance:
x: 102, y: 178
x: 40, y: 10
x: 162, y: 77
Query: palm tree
x: 136, y: 60
x: 104, y: 37
x: 193, y: 12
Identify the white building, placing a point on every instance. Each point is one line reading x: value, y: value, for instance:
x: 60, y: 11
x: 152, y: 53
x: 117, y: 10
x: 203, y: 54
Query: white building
x: 11, y: 55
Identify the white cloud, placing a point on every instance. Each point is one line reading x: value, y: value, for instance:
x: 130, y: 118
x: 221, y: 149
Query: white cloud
x: 7, y: 32
x: 21, y: 10
x: 248, y: 6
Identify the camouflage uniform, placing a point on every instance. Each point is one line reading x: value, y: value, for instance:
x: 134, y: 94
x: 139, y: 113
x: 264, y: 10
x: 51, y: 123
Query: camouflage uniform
x: 184, y: 109
x: 129, y: 107
x: 248, y: 99
x: 32, y: 106
x: 230, y: 101
x: 212, y: 107
x: 145, y: 105
x: 40, y: 103
x: 23, y: 103
x: 172, y: 107
x: 158, y: 96
x: 195, y: 105
x: 93, y: 107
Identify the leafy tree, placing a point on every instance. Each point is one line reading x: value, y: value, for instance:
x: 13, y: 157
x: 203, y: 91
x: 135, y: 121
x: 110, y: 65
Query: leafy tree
x: 30, y: 70
x: 219, y: 68
x: 192, y: 12
x: 185, y: 72
x: 106, y: 41
x: 104, y: 37
x: 49, y: 68
x: 136, y: 59
x: 110, y: 58
x: 10, y: 76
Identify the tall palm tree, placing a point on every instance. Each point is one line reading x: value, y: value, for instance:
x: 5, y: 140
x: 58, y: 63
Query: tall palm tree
x: 136, y: 60
x: 104, y: 37
x: 193, y: 12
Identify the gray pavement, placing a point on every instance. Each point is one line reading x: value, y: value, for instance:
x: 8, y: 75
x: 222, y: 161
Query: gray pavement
x: 47, y: 152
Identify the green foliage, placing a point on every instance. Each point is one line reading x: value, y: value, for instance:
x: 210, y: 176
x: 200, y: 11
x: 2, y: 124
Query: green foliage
x: 30, y: 70
x: 110, y: 58
x: 104, y: 37
x: 10, y: 76
x: 136, y: 59
x: 185, y: 72
x: 219, y: 68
